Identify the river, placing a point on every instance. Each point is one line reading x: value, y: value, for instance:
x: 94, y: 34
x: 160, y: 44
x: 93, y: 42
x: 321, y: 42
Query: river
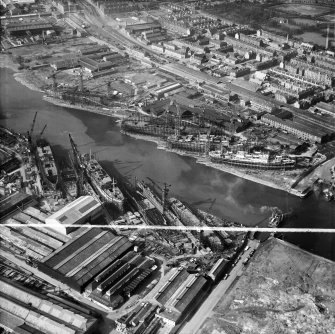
x: 235, y: 198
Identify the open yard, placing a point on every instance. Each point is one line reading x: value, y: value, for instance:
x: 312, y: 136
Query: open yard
x: 302, y: 9
x: 283, y: 290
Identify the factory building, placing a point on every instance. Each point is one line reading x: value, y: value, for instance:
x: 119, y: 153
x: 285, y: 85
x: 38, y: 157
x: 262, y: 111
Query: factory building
x: 167, y: 89
x: 101, y: 264
x: 26, y: 311
x: 180, y: 295
x: 76, y: 213
x: 65, y: 63
x: 142, y: 27
x: 78, y: 261
x: 21, y: 27
x: 239, y: 71
x: 217, y: 271
x: 93, y: 49
x: 31, y: 242
x: 297, y: 128
x: 325, y: 108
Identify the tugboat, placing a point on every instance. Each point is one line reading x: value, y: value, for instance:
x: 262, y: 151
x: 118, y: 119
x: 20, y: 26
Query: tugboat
x: 102, y: 183
x: 276, y: 218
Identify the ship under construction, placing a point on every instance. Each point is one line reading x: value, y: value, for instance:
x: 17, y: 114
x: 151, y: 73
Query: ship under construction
x: 81, y: 96
x: 187, y: 130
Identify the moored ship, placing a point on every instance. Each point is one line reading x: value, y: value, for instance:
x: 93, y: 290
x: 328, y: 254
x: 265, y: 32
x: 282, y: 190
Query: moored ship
x: 102, y: 183
x: 256, y: 159
x: 46, y: 162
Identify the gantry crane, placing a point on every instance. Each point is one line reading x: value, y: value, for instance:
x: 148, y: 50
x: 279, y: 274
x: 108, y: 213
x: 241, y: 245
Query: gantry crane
x: 165, y: 191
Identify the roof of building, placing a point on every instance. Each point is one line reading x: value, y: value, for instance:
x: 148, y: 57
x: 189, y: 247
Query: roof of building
x: 173, y: 286
x: 143, y: 26
x: 74, y: 211
x: 296, y: 125
x: 328, y: 107
x: 41, y: 311
x: 191, y: 294
x: 218, y: 267
x: 86, y: 256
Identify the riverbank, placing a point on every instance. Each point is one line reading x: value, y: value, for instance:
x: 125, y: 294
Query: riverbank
x: 95, y: 110
x: 272, y: 179
x: 6, y: 62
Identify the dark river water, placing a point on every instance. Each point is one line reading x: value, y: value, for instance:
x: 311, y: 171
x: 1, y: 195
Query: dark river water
x: 237, y: 199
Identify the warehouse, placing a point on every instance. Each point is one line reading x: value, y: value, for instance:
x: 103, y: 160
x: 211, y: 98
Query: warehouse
x: 26, y: 311
x: 301, y: 131
x: 80, y: 260
x: 326, y: 108
x: 180, y: 295
x: 76, y: 213
x: 218, y: 269
x: 93, y: 49
x: 141, y: 27
x: 165, y: 89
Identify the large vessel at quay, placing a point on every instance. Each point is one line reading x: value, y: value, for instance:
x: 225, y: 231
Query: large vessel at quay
x: 46, y: 162
x: 256, y: 159
x: 102, y: 183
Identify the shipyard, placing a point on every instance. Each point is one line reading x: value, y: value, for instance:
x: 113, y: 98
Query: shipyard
x: 192, y: 91
x: 157, y: 160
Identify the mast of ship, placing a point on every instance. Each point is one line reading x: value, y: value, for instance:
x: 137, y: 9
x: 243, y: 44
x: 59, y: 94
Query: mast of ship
x: 114, y: 184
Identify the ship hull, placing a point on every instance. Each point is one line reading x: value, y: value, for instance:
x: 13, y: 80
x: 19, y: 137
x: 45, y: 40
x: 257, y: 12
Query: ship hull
x: 192, y: 146
x: 154, y: 131
x: 253, y: 165
x: 49, y: 180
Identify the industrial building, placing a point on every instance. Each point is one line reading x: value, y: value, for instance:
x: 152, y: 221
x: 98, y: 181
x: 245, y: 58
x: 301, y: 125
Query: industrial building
x: 142, y: 27
x: 21, y: 27
x: 217, y: 271
x: 12, y: 203
x: 325, y: 108
x: 168, y: 89
x: 298, y: 129
x: 31, y: 241
x: 23, y: 310
x: 180, y: 295
x: 76, y: 213
x: 78, y: 261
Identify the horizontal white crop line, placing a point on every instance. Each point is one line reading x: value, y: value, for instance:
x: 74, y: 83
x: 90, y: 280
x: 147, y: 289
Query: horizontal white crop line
x: 185, y: 228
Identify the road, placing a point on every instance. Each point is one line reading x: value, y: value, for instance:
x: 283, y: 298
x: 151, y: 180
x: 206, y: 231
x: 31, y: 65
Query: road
x: 193, y: 326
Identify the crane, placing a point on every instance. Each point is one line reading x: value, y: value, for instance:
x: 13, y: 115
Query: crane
x: 33, y: 125
x: 41, y: 133
x: 165, y: 191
